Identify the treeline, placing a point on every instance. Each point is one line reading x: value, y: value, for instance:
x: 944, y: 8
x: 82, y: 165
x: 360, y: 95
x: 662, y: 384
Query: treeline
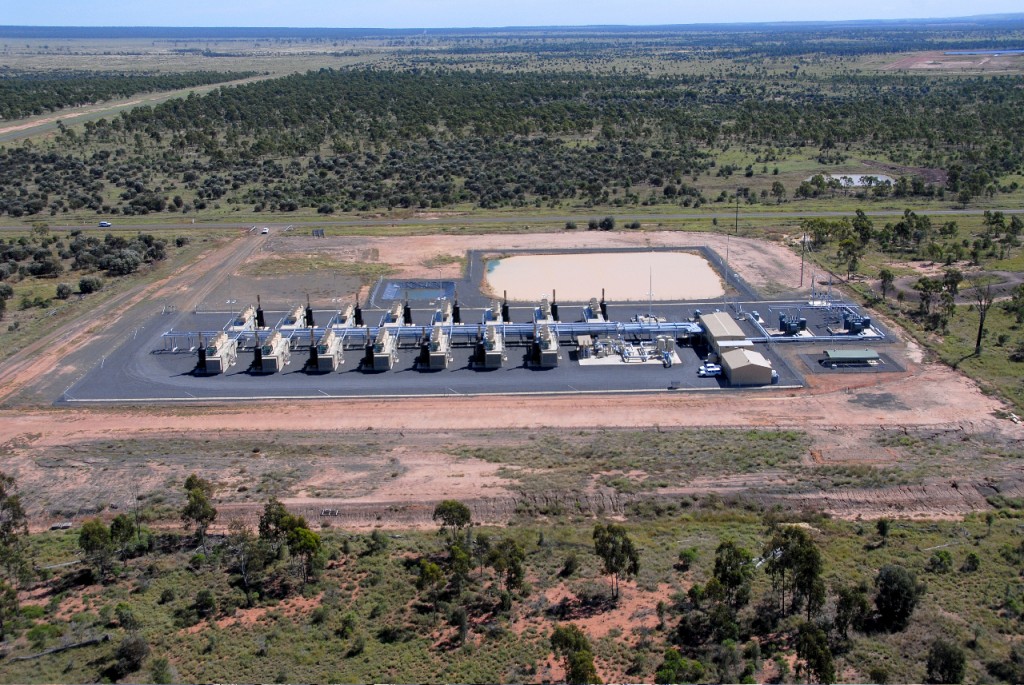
x: 711, y: 42
x: 365, y: 139
x: 965, y: 118
x: 24, y: 94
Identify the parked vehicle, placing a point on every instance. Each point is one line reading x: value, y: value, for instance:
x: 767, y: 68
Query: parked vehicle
x: 709, y: 370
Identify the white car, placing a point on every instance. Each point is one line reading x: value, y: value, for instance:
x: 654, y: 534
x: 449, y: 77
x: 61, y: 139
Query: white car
x: 265, y: 230
x: 104, y: 224
x: 708, y: 370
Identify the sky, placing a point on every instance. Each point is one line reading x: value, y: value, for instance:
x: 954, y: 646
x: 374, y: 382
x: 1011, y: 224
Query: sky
x: 472, y: 13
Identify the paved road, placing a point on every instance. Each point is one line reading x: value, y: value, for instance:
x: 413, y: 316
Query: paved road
x: 39, y: 371
x: 522, y: 220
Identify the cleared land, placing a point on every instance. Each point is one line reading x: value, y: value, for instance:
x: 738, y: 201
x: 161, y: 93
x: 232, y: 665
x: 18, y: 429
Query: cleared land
x: 429, y: 439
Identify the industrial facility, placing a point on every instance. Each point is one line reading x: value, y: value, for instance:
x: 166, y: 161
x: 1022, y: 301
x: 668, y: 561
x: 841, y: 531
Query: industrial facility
x: 440, y: 342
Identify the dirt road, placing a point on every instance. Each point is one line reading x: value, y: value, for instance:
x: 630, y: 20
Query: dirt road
x: 41, y: 367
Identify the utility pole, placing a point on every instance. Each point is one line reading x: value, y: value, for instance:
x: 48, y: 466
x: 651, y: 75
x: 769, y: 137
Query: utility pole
x: 737, y: 211
x: 803, y: 249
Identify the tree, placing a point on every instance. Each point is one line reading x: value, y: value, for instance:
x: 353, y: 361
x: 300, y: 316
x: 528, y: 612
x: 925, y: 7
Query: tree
x: 198, y: 511
x: 460, y: 563
x: 481, y: 549
x: 946, y: 663
x: 572, y: 644
x: 305, y: 544
x: 63, y: 291
x: 983, y: 297
x: 812, y: 648
x: 122, y: 530
x: 13, y: 528
x: 454, y: 517
x: 506, y: 558
x: 271, y: 525
x: 778, y: 191
x: 430, y: 580
x: 247, y: 555
x: 882, y: 525
x: 616, y: 550
x: 792, y: 554
x: 8, y: 606
x: 897, y: 594
x: 277, y: 527
x: 852, y: 609
x: 864, y: 227
x: 734, y: 567
x: 194, y: 482
x: 886, y: 279
x: 94, y: 540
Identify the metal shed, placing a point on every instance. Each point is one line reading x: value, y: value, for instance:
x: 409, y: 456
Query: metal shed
x: 722, y: 332
x: 861, y: 357
x: 746, y: 367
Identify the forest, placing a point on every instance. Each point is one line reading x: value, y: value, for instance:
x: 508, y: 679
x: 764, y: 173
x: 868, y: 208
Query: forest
x: 24, y: 94
x: 747, y: 596
x: 361, y: 139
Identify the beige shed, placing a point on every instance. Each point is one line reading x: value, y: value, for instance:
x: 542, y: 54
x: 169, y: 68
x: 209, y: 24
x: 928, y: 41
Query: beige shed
x: 746, y: 367
x: 723, y: 332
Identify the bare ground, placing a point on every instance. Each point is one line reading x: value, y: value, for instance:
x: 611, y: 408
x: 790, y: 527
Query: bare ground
x: 412, y: 470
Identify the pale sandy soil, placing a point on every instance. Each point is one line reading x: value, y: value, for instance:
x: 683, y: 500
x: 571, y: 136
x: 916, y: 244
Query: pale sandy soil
x: 763, y: 265
x: 626, y: 276
x: 938, y: 61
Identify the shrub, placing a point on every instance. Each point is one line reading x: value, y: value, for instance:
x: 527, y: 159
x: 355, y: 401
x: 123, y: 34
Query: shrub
x: 130, y: 654
x: 160, y: 671
x: 972, y: 563
x: 39, y: 634
x: 205, y: 603
x: 946, y: 663
x: 89, y: 284
x: 940, y: 562
x: 570, y: 566
x: 687, y: 558
x: 63, y: 291
x: 348, y: 625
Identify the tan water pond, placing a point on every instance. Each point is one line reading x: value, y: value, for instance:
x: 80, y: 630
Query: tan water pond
x: 623, y: 275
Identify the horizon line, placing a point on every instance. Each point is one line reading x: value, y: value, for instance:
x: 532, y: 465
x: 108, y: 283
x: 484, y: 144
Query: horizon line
x: 535, y: 27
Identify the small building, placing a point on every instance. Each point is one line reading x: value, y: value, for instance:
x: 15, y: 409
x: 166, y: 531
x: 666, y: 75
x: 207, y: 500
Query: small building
x: 723, y: 332
x: 746, y: 367
x: 837, y: 358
